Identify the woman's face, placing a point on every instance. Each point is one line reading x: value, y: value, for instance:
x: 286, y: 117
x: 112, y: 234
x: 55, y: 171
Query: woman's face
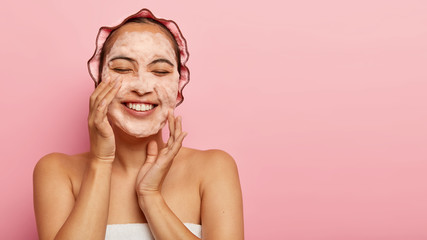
x: 142, y: 56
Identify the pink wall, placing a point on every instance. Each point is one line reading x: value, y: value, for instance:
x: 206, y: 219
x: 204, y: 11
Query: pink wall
x: 322, y: 104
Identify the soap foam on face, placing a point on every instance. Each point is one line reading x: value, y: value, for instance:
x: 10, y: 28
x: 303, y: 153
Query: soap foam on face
x: 143, y: 47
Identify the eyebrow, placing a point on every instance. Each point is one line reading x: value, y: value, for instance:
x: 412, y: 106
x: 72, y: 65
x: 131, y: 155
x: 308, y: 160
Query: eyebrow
x: 122, y: 57
x: 153, y: 62
x: 161, y: 60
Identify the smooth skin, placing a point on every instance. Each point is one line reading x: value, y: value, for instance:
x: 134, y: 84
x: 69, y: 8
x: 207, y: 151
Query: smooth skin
x: 123, y: 179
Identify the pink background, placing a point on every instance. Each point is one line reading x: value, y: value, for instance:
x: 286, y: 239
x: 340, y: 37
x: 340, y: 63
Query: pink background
x: 322, y: 104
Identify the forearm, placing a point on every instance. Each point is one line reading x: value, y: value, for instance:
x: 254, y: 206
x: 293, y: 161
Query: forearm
x: 88, y: 219
x: 164, y: 224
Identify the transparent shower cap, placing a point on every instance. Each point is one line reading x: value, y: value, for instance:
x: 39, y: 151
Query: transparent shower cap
x: 104, y: 32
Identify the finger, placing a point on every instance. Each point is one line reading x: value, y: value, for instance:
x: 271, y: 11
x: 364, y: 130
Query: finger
x: 100, y: 120
x: 101, y: 111
x: 112, y: 94
x: 171, y: 118
x: 176, y: 146
x: 108, y: 98
x: 171, y: 123
x: 106, y: 90
x: 179, y: 140
x: 96, y: 92
x: 178, y: 126
x: 152, y: 153
x: 96, y: 100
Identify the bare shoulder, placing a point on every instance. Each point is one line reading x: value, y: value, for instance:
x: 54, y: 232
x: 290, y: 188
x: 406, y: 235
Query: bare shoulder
x: 220, y: 193
x: 51, y: 163
x: 53, y: 183
x: 208, y: 158
x: 60, y: 164
x: 212, y: 164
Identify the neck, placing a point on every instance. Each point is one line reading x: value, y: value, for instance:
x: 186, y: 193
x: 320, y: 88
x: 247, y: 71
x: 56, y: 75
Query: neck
x: 131, y: 152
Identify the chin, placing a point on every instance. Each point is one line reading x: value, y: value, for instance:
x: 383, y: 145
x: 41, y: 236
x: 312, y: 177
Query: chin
x: 137, y: 127
x: 141, y: 135
x: 143, y: 131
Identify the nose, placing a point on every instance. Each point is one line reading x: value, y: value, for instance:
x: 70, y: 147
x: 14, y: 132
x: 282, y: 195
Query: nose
x: 142, y: 84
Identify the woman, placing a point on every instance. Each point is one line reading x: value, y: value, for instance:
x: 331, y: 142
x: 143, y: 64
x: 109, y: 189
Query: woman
x: 131, y: 184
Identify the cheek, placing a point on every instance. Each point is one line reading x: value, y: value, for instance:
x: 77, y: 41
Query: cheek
x: 112, y: 75
x: 107, y: 73
x: 171, y: 90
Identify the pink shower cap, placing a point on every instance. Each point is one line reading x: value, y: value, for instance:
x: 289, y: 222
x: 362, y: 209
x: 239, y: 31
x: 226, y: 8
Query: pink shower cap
x: 104, y: 32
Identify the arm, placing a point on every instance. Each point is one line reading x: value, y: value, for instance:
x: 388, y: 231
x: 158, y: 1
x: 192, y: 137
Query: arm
x: 221, y: 209
x: 58, y: 215
x: 163, y: 223
x: 222, y: 213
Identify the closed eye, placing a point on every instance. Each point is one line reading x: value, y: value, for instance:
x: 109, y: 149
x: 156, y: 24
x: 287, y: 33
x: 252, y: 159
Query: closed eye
x: 161, y: 72
x: 122, y: 70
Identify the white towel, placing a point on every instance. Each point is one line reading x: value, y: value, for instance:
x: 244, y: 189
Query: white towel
x: 140, y: 231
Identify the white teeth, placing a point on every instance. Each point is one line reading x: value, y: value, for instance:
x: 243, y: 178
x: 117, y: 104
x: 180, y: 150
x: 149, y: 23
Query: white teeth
x: 140, y: 107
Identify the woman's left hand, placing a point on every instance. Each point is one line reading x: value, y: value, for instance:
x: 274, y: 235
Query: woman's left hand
x: 157, y: 164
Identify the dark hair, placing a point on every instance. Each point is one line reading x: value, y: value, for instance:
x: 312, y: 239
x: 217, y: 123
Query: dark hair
x: 147, y: 21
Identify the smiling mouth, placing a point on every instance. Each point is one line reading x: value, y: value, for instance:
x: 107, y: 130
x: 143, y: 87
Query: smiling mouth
x: 140, y: 107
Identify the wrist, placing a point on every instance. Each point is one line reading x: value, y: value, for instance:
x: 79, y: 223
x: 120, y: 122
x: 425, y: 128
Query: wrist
x: 150, y: 198
x: 96, y: 163
x: 96, y: 156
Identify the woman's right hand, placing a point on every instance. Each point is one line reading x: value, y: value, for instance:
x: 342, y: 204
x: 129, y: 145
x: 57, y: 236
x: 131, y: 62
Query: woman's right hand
x: 102, y: 143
